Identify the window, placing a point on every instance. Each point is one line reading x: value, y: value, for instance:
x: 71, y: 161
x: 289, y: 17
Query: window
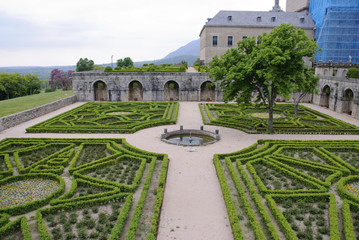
x: 215, y: 41
x: 302, y: 20
x: 259, y: 19
x: 244, y: 37
x: 230, y: 41
x: 273, y: 19
x: 229, y: 18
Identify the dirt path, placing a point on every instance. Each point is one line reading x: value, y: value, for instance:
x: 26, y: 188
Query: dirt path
x: 193, y: 206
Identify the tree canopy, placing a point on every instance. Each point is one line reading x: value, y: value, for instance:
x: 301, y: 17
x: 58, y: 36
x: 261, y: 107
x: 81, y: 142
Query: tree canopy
x: 60, y: 79
x: 126, y: 62
x: 16, y: 85
x: 84, y: 65
x: 267, y: 68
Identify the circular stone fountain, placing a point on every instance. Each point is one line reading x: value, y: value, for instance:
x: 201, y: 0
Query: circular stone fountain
x: 190, y: 137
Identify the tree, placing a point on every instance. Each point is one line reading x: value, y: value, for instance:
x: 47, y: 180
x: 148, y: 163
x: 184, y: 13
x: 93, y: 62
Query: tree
x: 126, y: 62
x: 307, y: 84
x: 269, y: 68
x: 33, y: 84
x: 84, y: 65
x: 60, y: 79
x: 353, y: 73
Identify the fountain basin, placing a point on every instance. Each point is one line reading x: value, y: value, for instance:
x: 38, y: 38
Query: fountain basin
x: 190, y: 137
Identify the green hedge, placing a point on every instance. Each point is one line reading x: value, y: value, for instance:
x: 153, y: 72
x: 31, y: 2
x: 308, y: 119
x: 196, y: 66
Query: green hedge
x: 93, y: 118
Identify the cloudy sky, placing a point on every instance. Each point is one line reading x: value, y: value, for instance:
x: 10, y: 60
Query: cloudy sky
x: 60, y: 32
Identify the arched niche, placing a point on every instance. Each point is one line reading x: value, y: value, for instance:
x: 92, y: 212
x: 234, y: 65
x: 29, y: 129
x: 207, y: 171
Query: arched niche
x: 208, y: 91
x: 325, y: 96
x: 135, y: 91
x: 100, y: 89
x: 171, y: 91
x: 348, y: 98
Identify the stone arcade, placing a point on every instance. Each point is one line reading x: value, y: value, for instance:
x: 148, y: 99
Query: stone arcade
x: 149, y: 86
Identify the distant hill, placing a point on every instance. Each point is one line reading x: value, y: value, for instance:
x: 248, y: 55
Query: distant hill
x: 190, y: 49
x: 188, y: 53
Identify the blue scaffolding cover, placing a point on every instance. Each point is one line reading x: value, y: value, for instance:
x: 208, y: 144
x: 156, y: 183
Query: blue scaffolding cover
x: 337, y: 29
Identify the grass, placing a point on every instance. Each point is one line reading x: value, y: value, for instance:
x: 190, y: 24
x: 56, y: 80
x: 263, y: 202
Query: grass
x: 15, y: 105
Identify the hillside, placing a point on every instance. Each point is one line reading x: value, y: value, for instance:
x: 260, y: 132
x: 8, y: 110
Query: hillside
x: 188, y: 53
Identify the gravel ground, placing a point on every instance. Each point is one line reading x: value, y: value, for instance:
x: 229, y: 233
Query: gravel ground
x: 193, y: 207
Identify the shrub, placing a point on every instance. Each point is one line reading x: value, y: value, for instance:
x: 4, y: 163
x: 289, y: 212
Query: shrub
x: 50, y: 89
x: 353, y: 73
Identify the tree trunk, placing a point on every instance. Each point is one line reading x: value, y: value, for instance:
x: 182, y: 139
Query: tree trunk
x: 296, y: 108
x: 270, y: 116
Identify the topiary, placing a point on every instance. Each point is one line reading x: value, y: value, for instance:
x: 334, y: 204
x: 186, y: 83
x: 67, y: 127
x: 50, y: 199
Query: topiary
x: 108, y: 69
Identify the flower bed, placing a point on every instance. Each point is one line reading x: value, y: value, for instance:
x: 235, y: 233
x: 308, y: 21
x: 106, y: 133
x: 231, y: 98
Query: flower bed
x: 289, y: 184
x: 254, y: 119
x: 106, y: 181
x: 119, y: 117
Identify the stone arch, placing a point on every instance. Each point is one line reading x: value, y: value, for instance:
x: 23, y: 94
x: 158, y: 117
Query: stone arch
x: 208, y: 91
x: 348, y: 98
x: 325, y: 96
x: 135, y: 91
x: 325, y: 72
x: 100, y: 90
x: 171, y: 91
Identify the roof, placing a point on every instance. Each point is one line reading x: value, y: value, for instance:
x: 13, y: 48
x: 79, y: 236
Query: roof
x: 302, y: 20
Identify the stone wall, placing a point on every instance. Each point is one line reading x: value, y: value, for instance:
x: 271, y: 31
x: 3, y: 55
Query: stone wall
x: 17, y: 118
x: 162, y: 86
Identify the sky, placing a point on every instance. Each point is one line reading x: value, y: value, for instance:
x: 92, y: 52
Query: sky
x: 60, y: 32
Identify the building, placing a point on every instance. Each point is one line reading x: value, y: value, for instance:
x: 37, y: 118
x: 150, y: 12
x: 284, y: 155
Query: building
x: 224, y: 30
x: 337, y: 30
x: 297, y: 6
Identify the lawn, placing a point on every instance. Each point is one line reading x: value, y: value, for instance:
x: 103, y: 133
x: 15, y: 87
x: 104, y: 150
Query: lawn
x: 15, y: 105
x: 115, y: 190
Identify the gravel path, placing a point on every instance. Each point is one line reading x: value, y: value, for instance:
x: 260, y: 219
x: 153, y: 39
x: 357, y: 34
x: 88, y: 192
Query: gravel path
x: 193, y: 207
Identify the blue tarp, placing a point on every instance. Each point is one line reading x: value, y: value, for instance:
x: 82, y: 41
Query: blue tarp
x: 337, y: 29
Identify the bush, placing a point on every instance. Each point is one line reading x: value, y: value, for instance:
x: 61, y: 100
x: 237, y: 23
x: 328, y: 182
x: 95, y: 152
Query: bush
x: 108, y: 69
x: 50, y: 89
x: 353, y: 73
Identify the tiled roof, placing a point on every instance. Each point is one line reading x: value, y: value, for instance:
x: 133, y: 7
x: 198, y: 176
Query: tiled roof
x: 261, y: 19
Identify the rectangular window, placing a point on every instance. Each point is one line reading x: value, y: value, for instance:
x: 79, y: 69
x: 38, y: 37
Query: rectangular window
x: 230, y: 41
x: 244, y: 37
x: 259, y: 19
x: 273, y: 19
x: 229, y: 18
x: 301, y: 20
x: 215, y: 41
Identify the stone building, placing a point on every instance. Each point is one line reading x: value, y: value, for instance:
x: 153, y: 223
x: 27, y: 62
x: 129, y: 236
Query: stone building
x: 336, y: 91
x: 297, y: 6
x: 224, y: 30
x: 144, y: 86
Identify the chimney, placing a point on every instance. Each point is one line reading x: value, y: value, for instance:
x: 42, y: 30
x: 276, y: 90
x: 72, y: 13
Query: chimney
x: 276, y: 7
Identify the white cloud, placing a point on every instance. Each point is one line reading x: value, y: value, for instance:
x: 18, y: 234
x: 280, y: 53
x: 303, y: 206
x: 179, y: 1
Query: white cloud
x: 57, y: 32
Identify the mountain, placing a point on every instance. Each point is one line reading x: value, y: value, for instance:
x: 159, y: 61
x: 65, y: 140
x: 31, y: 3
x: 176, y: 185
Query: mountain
x: 190, y: 49
x: 188, y: 53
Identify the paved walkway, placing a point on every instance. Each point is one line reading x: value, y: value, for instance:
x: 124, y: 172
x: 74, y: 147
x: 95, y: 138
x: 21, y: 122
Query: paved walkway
x: 193, y: 207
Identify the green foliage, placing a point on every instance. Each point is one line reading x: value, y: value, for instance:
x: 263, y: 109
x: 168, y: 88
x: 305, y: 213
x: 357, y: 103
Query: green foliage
x: 16, y: 85
x: 84, y: 65
x: 152, y: 68
x: 124, y: 117
x: 300, y: 214
x: 252, y: 119
x: 274, y: 67
x: 126, y: 62
x: 108, y: 69
x: 62, y: 217
x: 353, y: 73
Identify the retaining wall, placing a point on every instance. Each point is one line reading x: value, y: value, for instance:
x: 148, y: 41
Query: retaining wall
x: 17, y: 118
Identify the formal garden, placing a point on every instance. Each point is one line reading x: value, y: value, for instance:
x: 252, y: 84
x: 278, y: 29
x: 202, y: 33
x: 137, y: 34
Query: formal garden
x: 79, y: 189
x: 277, y: 189
x: 120, y: 117
x: 253, y: 119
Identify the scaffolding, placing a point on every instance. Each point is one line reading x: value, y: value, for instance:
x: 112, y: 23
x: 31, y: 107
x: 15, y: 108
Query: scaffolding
x: 337, y: 30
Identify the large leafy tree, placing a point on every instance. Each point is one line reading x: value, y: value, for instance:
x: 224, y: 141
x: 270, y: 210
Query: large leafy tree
x: 16, y: 85
x: 126, y: 62
x: 84, y: 65
x: 267, y: 68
